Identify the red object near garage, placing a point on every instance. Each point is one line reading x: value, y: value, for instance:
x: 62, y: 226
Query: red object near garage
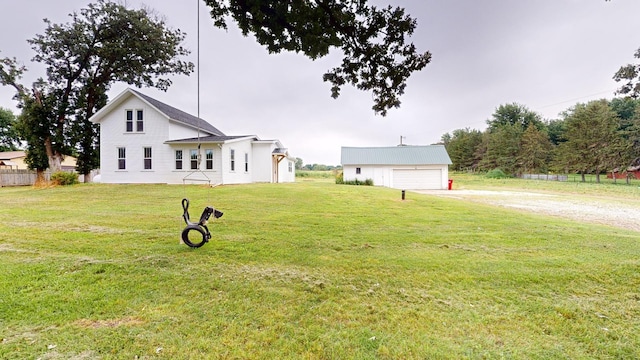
x: 450, y: 183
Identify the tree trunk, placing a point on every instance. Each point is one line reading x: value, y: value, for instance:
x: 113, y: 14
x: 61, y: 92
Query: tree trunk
x: 598, y: 176
x: 55, y: 158
x: 613, y: 173
x: 40, y: 180
x: 583, y: 177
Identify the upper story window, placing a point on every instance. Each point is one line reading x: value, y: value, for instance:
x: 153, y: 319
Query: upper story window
x: 129, y: 121
x: 139, y: 120
x: 232, y: 159
x: 208, y: 157
x: 122, y: 158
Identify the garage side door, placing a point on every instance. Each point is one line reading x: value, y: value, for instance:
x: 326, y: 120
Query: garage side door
x: 422, y: 179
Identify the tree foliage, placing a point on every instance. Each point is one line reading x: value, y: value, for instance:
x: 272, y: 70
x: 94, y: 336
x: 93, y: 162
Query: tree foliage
x: 514, y: 114
x: 377, y: 57
x: 502, y: 147
x: 535, y: 151
x: 104, y: 43
x: 592, y: 138
x: 630, y: 76
x: 461, y: 146
x: 9, y: 139
x: 593, y: 144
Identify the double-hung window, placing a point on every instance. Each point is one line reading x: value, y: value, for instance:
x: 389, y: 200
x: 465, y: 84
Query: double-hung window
x: 139, y: 120
x: 178, y: 159
x: 232, y: 159
x: 193, y: 157
x: 208, y: 157
x: 122, y: 158
x: 129, y: 122
x: 246, y: 162
x: 147, y: 158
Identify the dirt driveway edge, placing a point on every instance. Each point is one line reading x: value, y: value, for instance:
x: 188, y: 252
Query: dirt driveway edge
x: 586, y: 209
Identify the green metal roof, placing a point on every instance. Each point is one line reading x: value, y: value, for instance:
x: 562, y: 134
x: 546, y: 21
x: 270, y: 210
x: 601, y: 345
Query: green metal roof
x: 396, y: 155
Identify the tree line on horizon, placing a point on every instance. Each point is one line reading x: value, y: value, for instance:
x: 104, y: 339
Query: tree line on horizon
x: 596, y: 137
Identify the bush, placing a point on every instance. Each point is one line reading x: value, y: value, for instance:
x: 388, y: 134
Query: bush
x: 64, y: 178
x: 340, y: 178
x: 497, y: 174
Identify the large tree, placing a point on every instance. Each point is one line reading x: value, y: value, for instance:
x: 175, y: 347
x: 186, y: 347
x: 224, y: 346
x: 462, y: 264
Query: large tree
x: 593, y: 143
x: 535, y: 151
x: 501, y: 149
x: 377, y: 57
x: 514, y: 114
x: 628, y: 111
x: 104, y: 43
x: 9, y: 139
x: 462, y: 146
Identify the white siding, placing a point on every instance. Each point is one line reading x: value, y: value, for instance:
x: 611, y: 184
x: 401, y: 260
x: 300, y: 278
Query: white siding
x: 383, y: 175
x: 238, y: 175
x: 156, y: 131
x: 261, y: 163
x: 284, y: 175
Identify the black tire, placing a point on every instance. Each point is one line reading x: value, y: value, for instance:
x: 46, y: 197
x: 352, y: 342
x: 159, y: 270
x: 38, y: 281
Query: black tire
x: 190, y: 242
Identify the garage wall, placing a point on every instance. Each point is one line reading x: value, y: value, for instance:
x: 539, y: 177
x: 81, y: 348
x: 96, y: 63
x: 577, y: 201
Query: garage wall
x: 408, y: 177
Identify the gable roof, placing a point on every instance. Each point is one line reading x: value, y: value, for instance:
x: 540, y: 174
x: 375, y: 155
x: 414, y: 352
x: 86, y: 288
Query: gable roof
x: 10, y: 155
x: 168, y: 111
x: 396, y: 155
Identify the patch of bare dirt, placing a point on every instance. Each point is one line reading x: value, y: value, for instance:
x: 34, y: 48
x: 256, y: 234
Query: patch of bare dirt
x: 112, y: 323
x: 625, y: 215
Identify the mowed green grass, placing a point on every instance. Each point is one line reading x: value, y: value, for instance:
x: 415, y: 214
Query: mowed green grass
x: 309, y: 270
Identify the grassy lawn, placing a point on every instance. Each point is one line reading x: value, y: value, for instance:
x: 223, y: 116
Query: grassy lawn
x: 310, y: 270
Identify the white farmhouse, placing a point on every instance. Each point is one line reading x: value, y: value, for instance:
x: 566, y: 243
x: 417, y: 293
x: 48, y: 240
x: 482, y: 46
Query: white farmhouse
x: 143, y: 140
x: 398, y: 167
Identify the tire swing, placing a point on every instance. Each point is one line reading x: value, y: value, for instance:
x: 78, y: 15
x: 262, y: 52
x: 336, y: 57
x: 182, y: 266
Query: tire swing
x: 200, y: 227
x: 200, y: 232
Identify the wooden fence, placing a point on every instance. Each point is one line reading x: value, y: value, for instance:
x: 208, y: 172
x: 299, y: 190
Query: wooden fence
x: 20, y: 177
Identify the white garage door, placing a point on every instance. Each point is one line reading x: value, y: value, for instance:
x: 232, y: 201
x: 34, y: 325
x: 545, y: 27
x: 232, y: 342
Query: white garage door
x: 422, y: 179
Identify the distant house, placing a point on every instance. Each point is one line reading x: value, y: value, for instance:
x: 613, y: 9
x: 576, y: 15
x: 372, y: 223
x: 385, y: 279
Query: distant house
x: 398, y: 167
x: 143, y: 140
x: 14, y: 160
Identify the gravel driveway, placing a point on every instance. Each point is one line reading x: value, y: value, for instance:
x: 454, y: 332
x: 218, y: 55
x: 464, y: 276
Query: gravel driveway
x: 622, y: 214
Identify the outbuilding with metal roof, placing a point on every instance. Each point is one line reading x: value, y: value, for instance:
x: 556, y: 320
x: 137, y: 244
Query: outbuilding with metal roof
x: 403, y: 167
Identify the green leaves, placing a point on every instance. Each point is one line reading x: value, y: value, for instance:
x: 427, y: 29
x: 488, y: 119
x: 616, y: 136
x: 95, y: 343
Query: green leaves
x: 104, y: 43
x: 372, y: 41
x: 631, y: 74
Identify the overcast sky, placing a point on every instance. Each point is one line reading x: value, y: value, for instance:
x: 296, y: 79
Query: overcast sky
x: 544, y: 54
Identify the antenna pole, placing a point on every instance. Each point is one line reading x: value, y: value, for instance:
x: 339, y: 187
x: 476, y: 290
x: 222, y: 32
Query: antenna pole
x: 198, y: 74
